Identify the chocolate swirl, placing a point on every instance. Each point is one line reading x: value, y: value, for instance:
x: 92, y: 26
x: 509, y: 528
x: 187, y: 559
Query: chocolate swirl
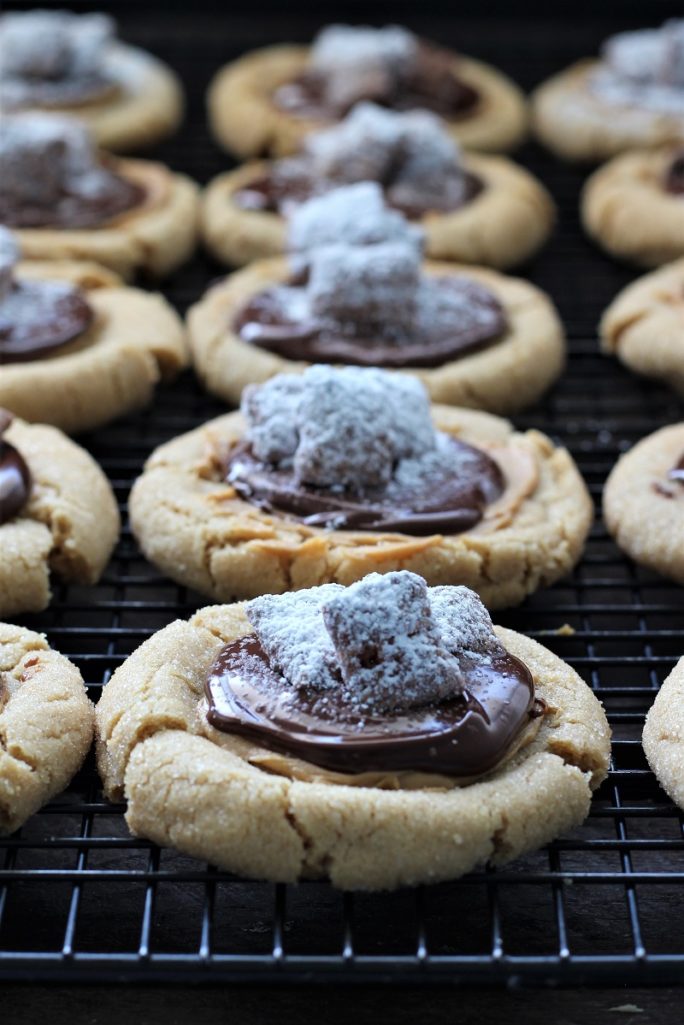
x: 15, y: 476
x: 447, y: 502
x: 464, y: 736
x: 263, y: 321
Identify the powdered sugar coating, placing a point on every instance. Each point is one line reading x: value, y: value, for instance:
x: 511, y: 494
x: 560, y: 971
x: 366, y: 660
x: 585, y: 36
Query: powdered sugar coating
x: 9, y: 257
x: 44, y: 155
x: 463, y: 621
x: 271, y: 411
x: 428, y: 162
x: 354, y: 426
x: 388, y: 642
x: 414, y: 475
x: 53, y: 44
x: 32, y: 305
x: 345, y: 428
x: 359, y: 61
x: 465, y: 302
x: 360, y: 148
x: 400, y: 149
x: 375, y: 286
x: 351, y: 215
x: 27, y: 303
x: 291, y: 631
x: 644, y: 69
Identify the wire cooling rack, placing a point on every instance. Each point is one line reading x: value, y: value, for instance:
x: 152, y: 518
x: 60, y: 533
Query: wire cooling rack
x: 81, y: 900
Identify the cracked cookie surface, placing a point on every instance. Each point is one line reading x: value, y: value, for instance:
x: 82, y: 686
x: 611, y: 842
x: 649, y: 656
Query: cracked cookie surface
x: 502, y: 378
x: 644, y: 325
x: 46, y: 724
x: 663, y: 736
x: 191, y: 524
x: 507, y: 221
x: 69, y: 525
x: 202, y: 791
x: 135, y: 339
x: 628, y: 211
x: 643, y: 507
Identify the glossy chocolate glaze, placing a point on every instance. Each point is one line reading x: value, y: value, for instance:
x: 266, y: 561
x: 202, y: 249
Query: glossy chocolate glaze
x: 274, y: 193
x: 674, y: 178
x: 465, y: 736
x: 15, y: 476
x: 73, y: 210
x: 450, y: 504
x: 434, y: 86
x: 46, y: 327
x: 263, y: 322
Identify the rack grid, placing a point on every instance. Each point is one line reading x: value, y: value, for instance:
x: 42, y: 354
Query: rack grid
x: 80, y: 900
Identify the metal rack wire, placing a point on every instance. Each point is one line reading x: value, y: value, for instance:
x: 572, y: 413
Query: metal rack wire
x: 81, y: 900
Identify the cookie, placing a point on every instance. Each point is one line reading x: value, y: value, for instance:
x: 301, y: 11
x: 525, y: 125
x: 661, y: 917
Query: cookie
x: 46, y: 724
x: 61, y: 518
x: 643, y: 501
x: 632, y: 97
x: 504, y: 377
x: 196, y: 529
x: 663, y: 736
x: 644, y: 326
x: 224, y: 798
x: 508, y: 221
x: 132, y: 340
x: 632, y: 209
x: 65, y: 200
x: 247, y: 120
x: 73, y: 64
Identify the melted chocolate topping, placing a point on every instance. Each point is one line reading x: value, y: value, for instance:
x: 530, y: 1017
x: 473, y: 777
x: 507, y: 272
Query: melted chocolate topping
x: 275, y: 193
x: 15, y: 476
x: 674, y: 178
x: 465, y: 736
x: 448, y: 503
x: 264, y: 322
x: 46, y: 326
x: 72, y: 209
x: 434, y: 86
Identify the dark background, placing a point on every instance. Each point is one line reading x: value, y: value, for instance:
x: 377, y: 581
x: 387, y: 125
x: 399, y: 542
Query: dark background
x: 629, y: 632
